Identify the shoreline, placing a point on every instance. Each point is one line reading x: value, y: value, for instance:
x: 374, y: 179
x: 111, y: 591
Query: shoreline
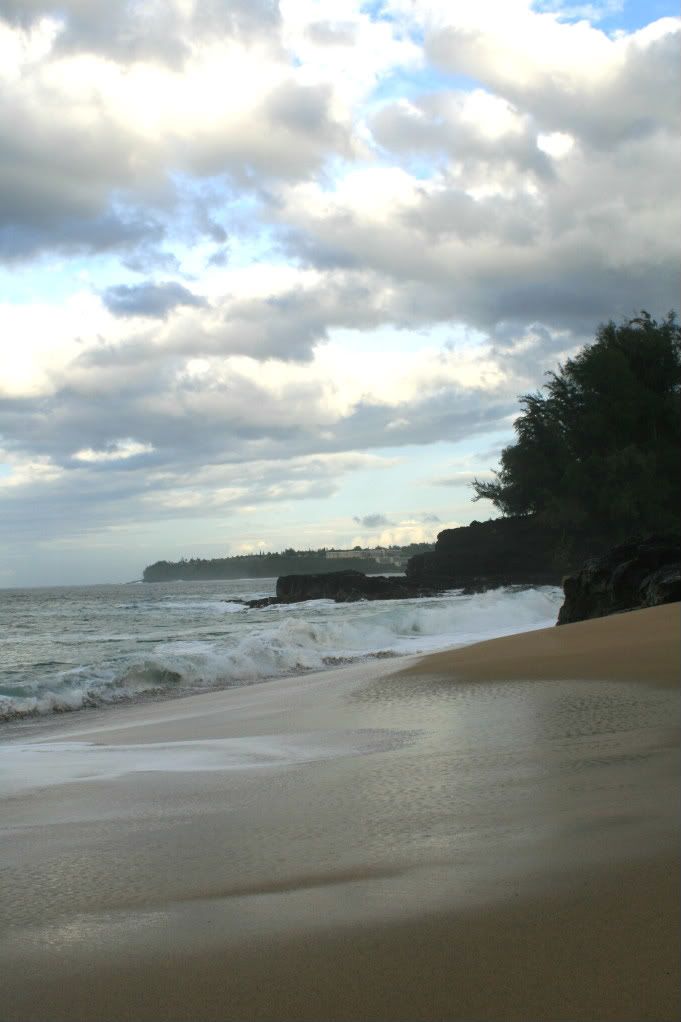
x: 228, y: 649
x: 502, y: 658
x: 639, y: 645
x: 449, y: 839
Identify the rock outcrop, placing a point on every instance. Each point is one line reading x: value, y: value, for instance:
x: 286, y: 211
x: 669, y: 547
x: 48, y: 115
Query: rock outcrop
x: 503, y: 551
x: 344, y: 587
x: 637, y: 574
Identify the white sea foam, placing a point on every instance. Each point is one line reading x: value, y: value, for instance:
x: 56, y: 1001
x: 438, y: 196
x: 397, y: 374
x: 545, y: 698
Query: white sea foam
x: 30, y: 765
x: 206, y: 606
x: 255, y: 645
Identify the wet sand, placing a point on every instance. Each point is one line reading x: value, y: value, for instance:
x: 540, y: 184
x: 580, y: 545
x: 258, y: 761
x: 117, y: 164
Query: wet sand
x: 487, y: 833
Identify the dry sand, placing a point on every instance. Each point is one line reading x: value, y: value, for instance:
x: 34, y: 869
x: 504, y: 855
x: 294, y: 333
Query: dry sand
x: 490, y: 833
x: 642, y: 646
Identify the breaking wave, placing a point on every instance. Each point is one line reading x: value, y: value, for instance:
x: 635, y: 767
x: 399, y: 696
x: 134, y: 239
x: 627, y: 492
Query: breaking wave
x: 257, y: 645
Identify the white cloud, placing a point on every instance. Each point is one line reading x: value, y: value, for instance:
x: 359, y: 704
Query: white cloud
x: 43, y: 338
x: 400, y: 534
x: 280, y: 211
x: 118, y: 450
x: 555, y: 143
x: 489, y: 115
x: 20, y: 472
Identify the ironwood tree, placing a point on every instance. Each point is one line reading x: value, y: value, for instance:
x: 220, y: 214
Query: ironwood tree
x: 599, y: 447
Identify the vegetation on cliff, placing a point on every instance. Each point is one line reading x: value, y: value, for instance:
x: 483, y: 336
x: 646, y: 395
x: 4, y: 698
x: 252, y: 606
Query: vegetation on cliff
x: 270, y: 565
x: 600, y: 449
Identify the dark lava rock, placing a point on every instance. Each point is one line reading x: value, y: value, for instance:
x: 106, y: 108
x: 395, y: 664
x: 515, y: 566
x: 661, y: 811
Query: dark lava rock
x: 518, y: 550
x: 643, y: 573
x: 663, y: 586
x: 345, y: 587
x: 263, y: 601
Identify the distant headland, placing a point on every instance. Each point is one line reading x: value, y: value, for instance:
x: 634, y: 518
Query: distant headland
x: 371, y: 560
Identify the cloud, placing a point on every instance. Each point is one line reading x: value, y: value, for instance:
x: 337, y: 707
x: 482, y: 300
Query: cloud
x: 38, y: 497
x: 140, y: 431
x: 534, y: 207
x: 460, y: 478
x: 314, y: 199
x: 400, y: 533
x: 160, y: 32
x: 332, y: 33
x: 237, y: 408
x: 568, y: 77
x: 374, y: 521
x: 95, y: 130
x: 154, y: 300
x: 118, y: 450
x: 539, y: 204
x: 477, y: 128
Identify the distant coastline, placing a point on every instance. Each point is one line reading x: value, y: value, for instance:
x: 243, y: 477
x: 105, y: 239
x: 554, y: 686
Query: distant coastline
x: 372, y: 561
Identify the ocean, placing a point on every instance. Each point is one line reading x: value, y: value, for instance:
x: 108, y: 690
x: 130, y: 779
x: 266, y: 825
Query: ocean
x: 71, y: 648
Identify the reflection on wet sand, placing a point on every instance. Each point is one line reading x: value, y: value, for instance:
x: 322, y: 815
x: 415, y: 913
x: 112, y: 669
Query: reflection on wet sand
x: 398, y: 808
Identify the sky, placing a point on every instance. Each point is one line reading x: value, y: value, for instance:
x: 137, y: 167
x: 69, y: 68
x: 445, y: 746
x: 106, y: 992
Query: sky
x: 275, y: 274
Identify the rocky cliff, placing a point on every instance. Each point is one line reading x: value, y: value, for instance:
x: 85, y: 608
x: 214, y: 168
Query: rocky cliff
x: 633, y: 575
x: 502, y: 551
x: 344, y: 587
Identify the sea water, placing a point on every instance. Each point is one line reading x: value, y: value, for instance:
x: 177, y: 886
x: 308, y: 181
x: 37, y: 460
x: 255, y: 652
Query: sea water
x: 70, y: 648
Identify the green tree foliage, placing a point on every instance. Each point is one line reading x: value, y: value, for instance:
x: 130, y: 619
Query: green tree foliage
x: 600, y: 449
x: 269, y: 565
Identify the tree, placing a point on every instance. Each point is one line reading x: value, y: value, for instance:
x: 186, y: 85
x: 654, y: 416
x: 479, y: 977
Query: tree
x: 600, y: 449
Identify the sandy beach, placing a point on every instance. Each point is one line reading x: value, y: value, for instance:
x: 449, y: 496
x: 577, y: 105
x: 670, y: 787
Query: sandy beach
x: 486, y: 833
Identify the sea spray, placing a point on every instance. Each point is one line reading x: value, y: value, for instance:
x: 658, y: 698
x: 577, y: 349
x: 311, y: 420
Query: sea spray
x: 90, y: 646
